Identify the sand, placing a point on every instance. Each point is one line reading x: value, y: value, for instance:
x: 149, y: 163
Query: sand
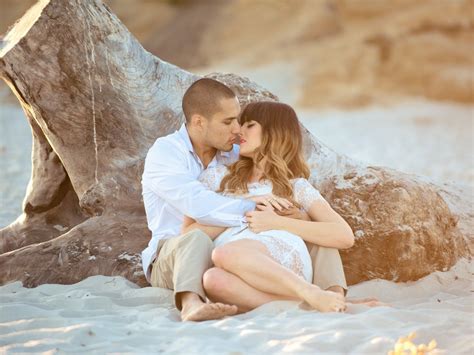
x: 110, y: 314
x: 421, y: 137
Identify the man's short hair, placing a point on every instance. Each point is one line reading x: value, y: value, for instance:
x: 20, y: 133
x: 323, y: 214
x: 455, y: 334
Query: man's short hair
x: 203, y: 97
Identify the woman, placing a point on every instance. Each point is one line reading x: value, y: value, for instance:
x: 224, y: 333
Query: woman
x: 269, y: 259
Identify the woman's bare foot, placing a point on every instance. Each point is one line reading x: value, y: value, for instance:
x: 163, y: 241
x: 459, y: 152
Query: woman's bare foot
x: 206, y: 311
x: 370, y: 302
x: 323, y: 301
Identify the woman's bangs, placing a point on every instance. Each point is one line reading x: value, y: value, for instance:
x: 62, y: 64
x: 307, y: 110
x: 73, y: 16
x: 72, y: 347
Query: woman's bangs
x: 244, y: 117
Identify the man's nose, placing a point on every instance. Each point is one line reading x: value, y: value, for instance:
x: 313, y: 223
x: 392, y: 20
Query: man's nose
x: 236, y: 128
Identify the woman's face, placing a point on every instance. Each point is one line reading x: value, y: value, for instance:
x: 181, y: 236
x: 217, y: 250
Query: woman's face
x: 250, y: 138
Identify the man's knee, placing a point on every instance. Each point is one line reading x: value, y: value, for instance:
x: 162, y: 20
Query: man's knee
x: 197, y: 239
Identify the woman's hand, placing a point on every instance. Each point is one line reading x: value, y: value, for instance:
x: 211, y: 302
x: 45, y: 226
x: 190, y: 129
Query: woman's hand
x: 271, y: 201
x: 260, y: 221
x: 295, y: 213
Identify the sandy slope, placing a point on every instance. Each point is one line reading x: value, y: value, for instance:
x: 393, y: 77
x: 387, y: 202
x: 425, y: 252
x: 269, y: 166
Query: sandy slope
x: 417, y: 136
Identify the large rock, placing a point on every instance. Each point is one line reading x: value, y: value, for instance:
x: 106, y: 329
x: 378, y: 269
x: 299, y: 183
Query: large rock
x: 96, y: 101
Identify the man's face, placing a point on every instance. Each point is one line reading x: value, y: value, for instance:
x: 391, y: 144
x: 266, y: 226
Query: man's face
x: 222, y: 129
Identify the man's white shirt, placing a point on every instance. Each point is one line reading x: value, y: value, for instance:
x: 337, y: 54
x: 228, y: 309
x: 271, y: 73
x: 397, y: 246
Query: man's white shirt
x: 171, y: 190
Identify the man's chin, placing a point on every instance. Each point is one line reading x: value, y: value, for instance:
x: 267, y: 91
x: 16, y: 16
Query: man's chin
x: 227, y: 148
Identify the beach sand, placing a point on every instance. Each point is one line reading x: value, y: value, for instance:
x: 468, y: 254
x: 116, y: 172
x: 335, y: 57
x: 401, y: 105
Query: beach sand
x: 110, y: 314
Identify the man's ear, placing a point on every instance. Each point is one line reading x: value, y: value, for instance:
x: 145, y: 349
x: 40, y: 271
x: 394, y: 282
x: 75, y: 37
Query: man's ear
x: 197, y: 120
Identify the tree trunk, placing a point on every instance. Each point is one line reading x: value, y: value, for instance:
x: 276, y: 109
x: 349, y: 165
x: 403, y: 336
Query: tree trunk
x: 96, y: 101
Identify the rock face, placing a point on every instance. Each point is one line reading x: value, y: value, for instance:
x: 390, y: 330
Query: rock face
x: 401, y: 225
x: 96, y: 101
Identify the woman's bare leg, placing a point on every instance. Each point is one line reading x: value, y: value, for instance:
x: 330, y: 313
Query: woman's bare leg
x: 250, y: 260
x: 222, y: 286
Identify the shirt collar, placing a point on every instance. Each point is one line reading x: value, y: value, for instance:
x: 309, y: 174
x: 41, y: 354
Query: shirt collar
x: 183, y: 132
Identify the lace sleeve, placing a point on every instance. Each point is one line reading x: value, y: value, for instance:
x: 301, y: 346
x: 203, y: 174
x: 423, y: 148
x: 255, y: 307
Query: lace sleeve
x: 304, y: 193
x: 212, y: 177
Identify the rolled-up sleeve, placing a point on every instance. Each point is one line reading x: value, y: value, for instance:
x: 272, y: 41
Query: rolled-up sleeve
x: 166, y: 173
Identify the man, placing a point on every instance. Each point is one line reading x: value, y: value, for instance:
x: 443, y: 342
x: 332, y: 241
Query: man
x: 171, y: 190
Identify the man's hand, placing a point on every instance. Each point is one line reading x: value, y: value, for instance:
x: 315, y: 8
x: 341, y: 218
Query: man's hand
x: 295, y: 213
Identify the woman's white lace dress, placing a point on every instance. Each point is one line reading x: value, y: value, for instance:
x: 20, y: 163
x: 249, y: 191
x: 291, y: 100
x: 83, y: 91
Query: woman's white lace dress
x: 286, y: 248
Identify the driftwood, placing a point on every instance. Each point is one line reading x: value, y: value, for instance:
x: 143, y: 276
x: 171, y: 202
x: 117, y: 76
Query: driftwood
x: 96, y: 101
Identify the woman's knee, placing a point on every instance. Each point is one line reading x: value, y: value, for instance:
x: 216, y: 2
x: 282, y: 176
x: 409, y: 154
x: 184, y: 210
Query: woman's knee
x: 218, y: 255
x: 228, y: 255
x: 224, y: 255
x: 214, y: 280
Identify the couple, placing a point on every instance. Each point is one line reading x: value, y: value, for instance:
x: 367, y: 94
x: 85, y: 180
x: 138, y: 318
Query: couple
x: 240, y: 226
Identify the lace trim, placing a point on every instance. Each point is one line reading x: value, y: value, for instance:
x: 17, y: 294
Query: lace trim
x: 285, y: 254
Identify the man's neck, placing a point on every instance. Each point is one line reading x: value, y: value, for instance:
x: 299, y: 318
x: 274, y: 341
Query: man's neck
x: 204, y: 152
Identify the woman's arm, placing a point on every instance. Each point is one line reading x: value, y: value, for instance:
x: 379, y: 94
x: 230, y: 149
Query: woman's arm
x: 326, y: 228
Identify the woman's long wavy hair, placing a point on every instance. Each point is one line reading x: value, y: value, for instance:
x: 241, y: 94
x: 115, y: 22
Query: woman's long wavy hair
x: 282, y: 146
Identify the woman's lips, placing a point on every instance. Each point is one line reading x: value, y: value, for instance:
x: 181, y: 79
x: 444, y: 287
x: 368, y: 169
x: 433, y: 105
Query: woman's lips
x: 242, y: 141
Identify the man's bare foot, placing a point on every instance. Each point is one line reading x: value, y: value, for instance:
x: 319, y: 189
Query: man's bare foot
x: 207, y: 311
x: 324, y: 301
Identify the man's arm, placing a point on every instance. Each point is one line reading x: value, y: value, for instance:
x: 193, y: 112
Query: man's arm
x: 189, y: 224
x: 167, y: 175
